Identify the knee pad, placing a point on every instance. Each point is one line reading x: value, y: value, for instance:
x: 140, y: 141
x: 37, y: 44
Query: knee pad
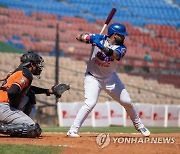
x: 125, y: 98
x: 21, y: 130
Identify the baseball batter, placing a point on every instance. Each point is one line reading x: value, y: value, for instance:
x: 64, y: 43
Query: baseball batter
x: 107, y: 50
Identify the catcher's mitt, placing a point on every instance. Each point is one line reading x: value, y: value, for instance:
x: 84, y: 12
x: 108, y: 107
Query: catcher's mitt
x: 59, y: 89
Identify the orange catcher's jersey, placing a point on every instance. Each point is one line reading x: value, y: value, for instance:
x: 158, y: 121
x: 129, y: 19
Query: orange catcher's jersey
x: 20, y: 80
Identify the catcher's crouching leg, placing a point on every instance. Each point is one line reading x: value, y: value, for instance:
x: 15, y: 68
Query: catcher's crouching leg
x: 21, y: 130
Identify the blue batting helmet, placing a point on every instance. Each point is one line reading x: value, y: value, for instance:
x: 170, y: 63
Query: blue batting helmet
x: 117, y: 28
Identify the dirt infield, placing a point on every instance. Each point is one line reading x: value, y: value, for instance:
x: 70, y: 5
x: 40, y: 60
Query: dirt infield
x: 86, y: 144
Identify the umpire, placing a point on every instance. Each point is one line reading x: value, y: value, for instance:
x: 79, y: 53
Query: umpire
x: 17, y: 96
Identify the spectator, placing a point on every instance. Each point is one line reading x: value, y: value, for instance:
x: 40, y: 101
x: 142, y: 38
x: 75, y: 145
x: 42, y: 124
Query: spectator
x: 147, y: 57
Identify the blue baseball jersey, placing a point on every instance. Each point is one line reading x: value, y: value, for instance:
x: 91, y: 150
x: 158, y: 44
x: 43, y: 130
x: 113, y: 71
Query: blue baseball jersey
x: 100, y: 65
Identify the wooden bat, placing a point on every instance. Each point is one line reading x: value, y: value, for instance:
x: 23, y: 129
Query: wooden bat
x: 110, y: 16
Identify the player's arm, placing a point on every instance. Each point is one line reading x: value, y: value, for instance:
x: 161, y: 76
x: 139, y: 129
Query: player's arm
x: 12, y: 92
x: 57, y: 90
x: 22, y: 79
x: 117, y: 54
x: 84, y: 37
x: 97, y: 40
x: 120, y: 52
x: 38, y: 90
x: 90, y: 38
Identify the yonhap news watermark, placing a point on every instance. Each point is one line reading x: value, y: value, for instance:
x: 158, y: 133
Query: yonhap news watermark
x: 104, y: 139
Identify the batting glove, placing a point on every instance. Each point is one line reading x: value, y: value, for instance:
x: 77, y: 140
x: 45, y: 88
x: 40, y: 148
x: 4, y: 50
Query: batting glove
x: 96, y: 39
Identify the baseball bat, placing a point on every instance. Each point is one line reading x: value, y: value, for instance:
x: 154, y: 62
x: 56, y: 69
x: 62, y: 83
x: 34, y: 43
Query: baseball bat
x: 110, y: 16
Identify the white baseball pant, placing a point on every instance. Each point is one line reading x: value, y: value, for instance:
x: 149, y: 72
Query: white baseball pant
x: 112, y: 86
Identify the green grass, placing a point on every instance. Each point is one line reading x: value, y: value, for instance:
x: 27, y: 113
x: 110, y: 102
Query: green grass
x: 4, y: 47
x: 29, y: 149
x: 113, y: 129
x: 3, y: 6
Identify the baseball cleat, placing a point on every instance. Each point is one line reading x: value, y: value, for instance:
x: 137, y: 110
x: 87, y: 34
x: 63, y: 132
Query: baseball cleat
x: 144, y: 131
x: 72, y: 134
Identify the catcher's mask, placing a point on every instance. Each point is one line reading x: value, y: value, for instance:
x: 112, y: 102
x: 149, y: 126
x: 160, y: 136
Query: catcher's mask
x: 32, y: 57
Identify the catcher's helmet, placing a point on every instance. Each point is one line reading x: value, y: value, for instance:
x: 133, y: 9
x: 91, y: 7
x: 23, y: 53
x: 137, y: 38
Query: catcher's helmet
x: 117, y: 28
x: 34, y: 58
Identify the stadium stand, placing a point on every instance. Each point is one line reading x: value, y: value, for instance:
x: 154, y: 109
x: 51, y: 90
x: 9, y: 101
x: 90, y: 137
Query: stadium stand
x: 32, y: 37
x: 30, y: 19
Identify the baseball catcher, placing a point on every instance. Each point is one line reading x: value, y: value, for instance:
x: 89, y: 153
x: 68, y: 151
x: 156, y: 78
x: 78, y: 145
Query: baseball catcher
x: 17, y: 97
